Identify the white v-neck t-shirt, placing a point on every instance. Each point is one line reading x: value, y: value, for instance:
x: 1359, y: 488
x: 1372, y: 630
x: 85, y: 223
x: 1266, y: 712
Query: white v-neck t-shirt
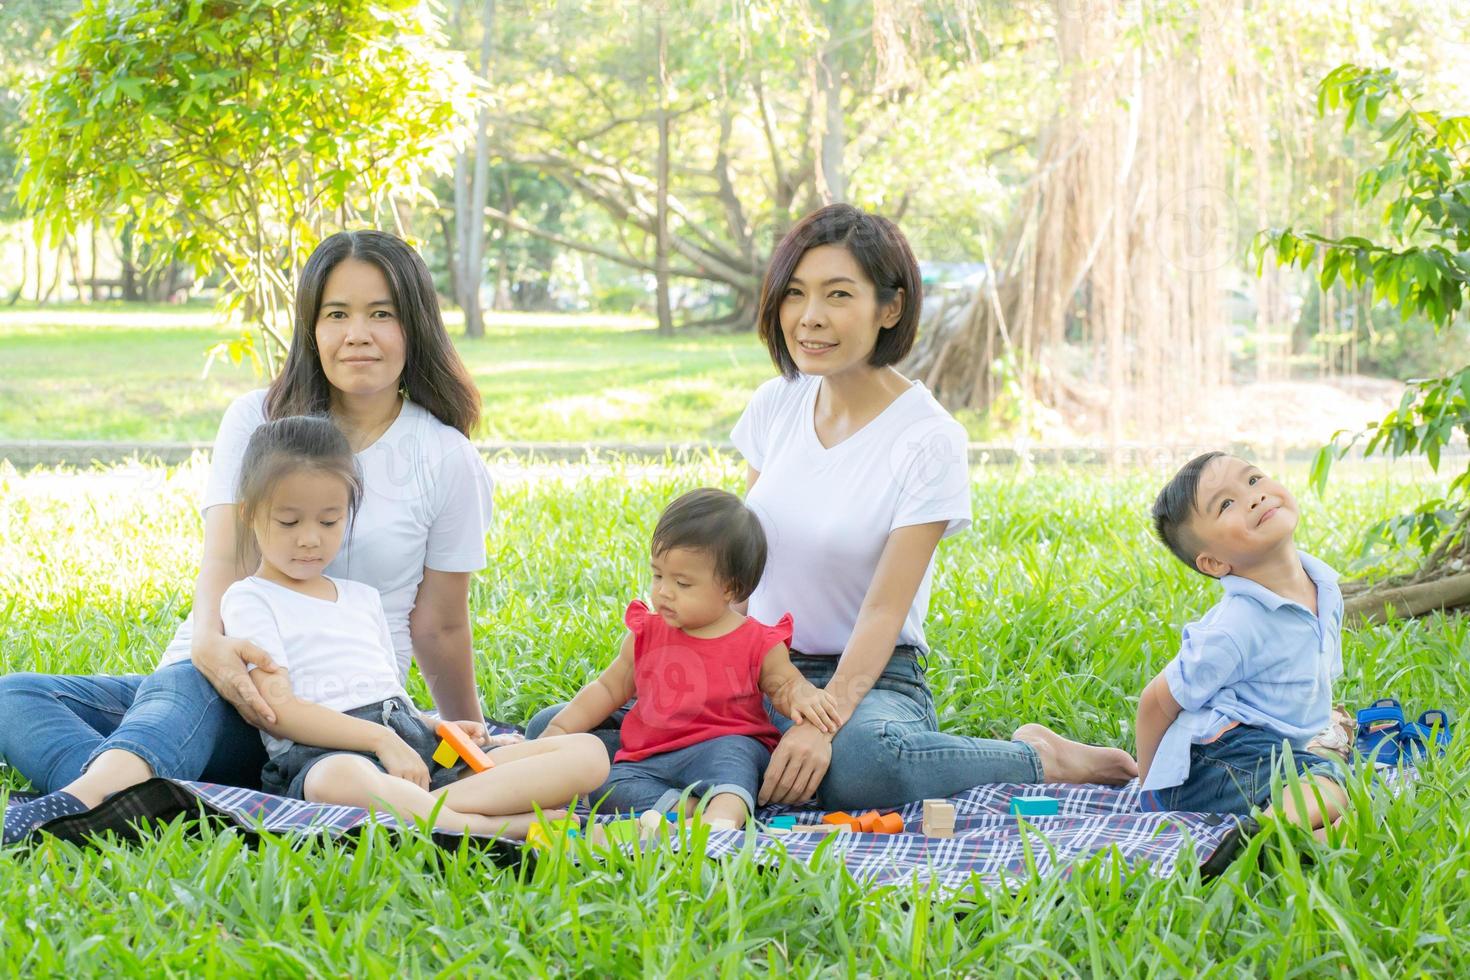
x: 828, y: 511
x: 337, y: 652
x: 426, y: 503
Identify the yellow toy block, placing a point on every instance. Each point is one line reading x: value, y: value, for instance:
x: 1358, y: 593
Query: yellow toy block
x: 456, y: 745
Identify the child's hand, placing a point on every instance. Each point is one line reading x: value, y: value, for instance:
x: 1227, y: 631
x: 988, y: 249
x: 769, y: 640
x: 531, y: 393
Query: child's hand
x: 810, y: 703
x: 478, y: 734
x: 402, y: 761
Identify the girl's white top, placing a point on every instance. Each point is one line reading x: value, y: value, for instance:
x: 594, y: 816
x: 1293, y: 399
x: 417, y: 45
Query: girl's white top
x: 426, y: 504
x: 338, y: 652
x: 828, y: 512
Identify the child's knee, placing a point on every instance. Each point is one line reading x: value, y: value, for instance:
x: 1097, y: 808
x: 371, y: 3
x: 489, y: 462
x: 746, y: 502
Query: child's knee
x: 339, y: 779
x: 590, y: 758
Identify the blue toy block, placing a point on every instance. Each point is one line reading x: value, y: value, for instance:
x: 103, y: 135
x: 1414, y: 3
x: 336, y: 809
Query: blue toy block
x: 781, y: 823
x: 1034, y: 806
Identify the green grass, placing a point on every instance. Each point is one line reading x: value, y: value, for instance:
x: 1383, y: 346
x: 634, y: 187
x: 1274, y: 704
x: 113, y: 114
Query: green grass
x: 127, y: 373
x: 1056, y: 607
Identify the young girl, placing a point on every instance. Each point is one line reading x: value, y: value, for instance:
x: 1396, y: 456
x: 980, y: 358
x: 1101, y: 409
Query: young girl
x: 699, y: 670
x: 345, y: 731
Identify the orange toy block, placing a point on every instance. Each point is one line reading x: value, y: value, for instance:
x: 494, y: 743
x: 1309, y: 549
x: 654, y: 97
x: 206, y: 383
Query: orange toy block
x: 868, y: 822
x: 457, y: 745
x: 842, y: 819
x: 889, y: 823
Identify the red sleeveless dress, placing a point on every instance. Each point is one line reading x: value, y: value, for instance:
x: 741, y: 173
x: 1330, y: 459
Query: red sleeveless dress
x: 692, y: 689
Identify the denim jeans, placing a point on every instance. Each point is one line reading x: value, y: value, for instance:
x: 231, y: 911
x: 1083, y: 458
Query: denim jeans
x: 726, y: 764
x: 1232, y: 773
x: 53, y: 725
x: 891, y: 751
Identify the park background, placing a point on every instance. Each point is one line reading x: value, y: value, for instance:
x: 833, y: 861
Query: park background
x: 1114, y: 205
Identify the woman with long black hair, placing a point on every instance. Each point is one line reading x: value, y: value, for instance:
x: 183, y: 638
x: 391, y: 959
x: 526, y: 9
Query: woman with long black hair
x: 369, y: 351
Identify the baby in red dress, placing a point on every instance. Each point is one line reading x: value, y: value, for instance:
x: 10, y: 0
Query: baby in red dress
x: 700, y: 671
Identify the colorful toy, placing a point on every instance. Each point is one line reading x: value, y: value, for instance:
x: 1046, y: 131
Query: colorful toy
x: 820, y: 829
x: 939, y: 817
x: 841, y: 819
x: 781, y: 823
x: 1034, y: 806
x: 622, y: 832
x: 456, y: 745
x: 889, y: 823
x: 540, y: 833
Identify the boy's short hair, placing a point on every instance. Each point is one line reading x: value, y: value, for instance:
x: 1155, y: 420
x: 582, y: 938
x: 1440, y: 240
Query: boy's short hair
x: 1175, y: 507
x: 719, y: 523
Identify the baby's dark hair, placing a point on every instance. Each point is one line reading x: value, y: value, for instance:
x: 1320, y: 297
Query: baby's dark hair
x: 1175, y: 507
x: 281, y: 447
x: 719, y: 523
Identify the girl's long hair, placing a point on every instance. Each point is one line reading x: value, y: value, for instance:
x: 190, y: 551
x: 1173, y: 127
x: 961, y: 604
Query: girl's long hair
x: 433, y: 374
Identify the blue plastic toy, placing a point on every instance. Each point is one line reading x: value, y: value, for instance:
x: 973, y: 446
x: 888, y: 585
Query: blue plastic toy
x: 1034, y: 806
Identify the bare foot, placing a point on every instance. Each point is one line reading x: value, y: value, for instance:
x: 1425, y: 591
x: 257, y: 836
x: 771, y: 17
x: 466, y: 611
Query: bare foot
x: 1066, y: 761
x: 513, y: 826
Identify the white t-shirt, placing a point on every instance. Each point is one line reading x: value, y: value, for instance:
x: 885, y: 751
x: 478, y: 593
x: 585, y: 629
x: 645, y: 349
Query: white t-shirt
x: 827, y: 513
x: 426, y: 503
x: 339, y: 654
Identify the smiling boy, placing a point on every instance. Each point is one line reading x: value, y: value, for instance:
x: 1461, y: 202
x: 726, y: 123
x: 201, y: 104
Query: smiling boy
x: 1255, y: 673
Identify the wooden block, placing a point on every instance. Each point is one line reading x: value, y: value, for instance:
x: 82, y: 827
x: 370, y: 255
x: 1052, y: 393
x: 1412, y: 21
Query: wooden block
x: 820, y: 829
x: 945, y: 832
x: 467, y: 750
x: 938, y: 813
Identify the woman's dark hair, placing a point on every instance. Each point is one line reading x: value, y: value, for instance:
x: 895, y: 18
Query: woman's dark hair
x: 1176, y: 506
x: 719, y: 524
x: 885, y: 257
x: 282, y: 447
x: 433, y: 374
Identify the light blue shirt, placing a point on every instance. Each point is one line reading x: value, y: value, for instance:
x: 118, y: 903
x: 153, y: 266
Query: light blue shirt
x: 1254, y: 659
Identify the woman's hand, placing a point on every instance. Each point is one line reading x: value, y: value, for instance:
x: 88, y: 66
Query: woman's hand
x: 223, y: 661
x: 400, y: 760
x: 811, y: 704
x: 797, y: 766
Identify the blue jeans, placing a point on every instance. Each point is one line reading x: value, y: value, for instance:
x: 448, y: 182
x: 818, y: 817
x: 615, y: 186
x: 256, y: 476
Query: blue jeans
x: 727, y: 764
x: 1233, y: 772
x: 53, y: 725
x: 891, y: 751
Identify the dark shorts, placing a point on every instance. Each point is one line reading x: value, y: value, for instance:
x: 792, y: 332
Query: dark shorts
x: 1233, y: 773
x: 285, y: 774
x: 727, y: 764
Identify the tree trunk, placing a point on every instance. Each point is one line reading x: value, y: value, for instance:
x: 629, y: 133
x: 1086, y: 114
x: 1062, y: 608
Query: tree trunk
x: 1410, y: 600
x: 1113, y: 247
x: 831, y: 178
x: 661, y: 216
x: 93, y: 258
x: 471, y: 193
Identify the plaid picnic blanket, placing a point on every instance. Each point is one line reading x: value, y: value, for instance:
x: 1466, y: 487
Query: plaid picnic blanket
x: 988, y: 843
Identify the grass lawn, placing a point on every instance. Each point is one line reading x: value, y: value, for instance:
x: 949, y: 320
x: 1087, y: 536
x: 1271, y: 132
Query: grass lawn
x: 1057, y: 607
x: 124, y: 372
